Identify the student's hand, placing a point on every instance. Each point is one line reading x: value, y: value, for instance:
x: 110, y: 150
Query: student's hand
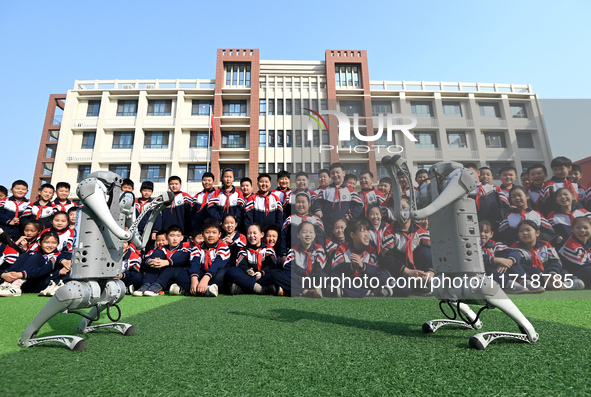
x: 21, y: 240
x: 356, y: 260
x: 202, y: 287
x: 318, y: 213
x: 427, y: 276
x: 502, y: 269
x: 67, y: 264
x: 250, y: 272
x: 258, y: 275
x: 411, y: 272
x: 64, y: 270
x: 10, y: 277
x: 153, y: 237
x: 227, y: 240
x: 348, y: 217
x: 194, y: 284
x: 14, y: 221
x: 159, y: 263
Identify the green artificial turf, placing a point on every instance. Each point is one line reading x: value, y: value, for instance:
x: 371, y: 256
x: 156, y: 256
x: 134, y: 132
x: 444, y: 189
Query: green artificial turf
x: 264, y: 345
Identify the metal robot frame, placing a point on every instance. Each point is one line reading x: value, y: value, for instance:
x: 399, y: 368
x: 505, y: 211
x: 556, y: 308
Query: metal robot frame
x: 96, y: 258
x: 456, y: 250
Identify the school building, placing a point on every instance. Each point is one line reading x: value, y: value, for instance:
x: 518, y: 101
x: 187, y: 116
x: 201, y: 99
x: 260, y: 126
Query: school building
x: 265, y: 118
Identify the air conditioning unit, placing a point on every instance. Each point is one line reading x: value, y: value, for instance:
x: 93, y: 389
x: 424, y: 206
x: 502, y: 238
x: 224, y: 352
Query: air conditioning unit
x: 150, y: 86
x: 128, y: 86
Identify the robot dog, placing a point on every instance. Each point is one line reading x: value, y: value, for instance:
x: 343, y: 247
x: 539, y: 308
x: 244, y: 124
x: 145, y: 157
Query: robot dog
x: 96, y: 258
x: 455, y: 245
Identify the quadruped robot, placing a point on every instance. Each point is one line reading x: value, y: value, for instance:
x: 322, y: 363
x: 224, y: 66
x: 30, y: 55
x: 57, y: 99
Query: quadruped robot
x: 96, y: 258
x: 456, y: 250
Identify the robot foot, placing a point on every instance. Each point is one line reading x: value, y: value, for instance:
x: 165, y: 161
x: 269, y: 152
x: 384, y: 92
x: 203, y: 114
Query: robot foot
x: 470, y: 319
x: 125, y: 329
x: 74, y: 343
x: 432, y: 326
x: 482, y: 340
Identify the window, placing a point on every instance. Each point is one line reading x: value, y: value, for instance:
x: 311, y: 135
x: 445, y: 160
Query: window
x: 156, y: 140
x: 88, y: 140
x: 234, y: 108
x: 316, y: 138
x: 525, y: 140
x: 83, y: 171
x: 315, y: 104
x: 238, y: 74
x: 496, y: 167
x: 198, y: 140
x: 347, y: 75
x: 54, y: 135
x: 526, y: 164
x: 421, y: 109
x: 306, y: 104
x: 457, y: 140
x: 262, y: 107
x: 324, y: 137
x: 279, y: 138
x: 201, y: 107
x: 262, y: 138
x: 50, y: 151
x: 153, y: 172
x: 47, y: 168
x: 123, y: 140
x: 298, y: 138
x: 426, y: 140
x: 239, y: 170
x: 271, y: 108
x: 262, y: 168
x: 288, y: 109
x: 195, y: 172
x: 160, y: 107
x: 323, y: 104
x: 452, y: 109
x: 297, y: 107
x: 93, y: 108
x: 307, y: 142
x: 518, y: 110
x: 316, y: 168
x: 234, y: 140
x: 424, y: 166
x: 352, y: 107
x: 127, y: 108
x: 279, y: 107
x: 495, y: 140
x: 489, y: 109
x: 271, y: 168
x: 289, y: 138
x: 381, y: 107
x: 271, y: 141
x: 120, y: 169
x: 289, y: 167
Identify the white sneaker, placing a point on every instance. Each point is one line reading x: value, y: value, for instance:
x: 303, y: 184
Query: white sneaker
x: 54, y: 288
x: 212, y: 290
x: 12, y: 290
x: 4, y: 285
x: 176, y: 290
x: 47, y: 289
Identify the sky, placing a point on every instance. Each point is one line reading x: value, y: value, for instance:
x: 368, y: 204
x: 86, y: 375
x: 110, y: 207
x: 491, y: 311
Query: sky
x: 46, y: 46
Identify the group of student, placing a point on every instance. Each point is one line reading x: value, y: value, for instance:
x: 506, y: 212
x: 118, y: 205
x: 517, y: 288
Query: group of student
x: 235, y: 240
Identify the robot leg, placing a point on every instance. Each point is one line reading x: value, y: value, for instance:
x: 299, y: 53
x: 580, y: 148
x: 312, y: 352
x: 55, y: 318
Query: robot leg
x: 112, y: 293
x: 73, y: 295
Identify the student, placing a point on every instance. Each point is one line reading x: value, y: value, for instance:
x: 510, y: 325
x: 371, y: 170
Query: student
x: 561, y: 166
x: 146, y: 190
x: 495, y: 261
x: 576, y: 174
x: 272, y: 233
x: 28, y: 241
x: 358, y: 259
x: 179, y: 212
x: 351, y: 181
x: 335, y: 239
x: 127, y: 185
x: 576, y: 252
x: 205, y: 275
x: 421, y: 177
x: 304, y: 259
x: 508, y: 176
x: 376, y: 226
x: 233, y: 239
x: 61, y: 225
x: 3, y: 192
x: 226, y: 200
x: 72, y: 213
x: 201, y: 201
x: 525, y: 180
x: 13, y: 208
x: 536, y: 174
x: 403, y: 182
x: 338, y: 200
x: 283, y: 192
x: 9, y: 251
x: 369, y: 195
x: 288, y: 237
x: 302, y: 183
x: 263, y: 207
x: 385, y: 186
x: 491, y: 203
x: 323, y: 180
x: 162, y: 264
x: 61, y: 202
x: 42, y: 209
x: 255, y: 261
x: 246, y: 188
x: 562, y: 218
x: 131, y: 274
x: 519, y: 211
x: 33, y: 268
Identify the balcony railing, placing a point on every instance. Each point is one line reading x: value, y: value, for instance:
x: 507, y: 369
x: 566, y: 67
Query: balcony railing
x: 155, y: 155
x: 194, y: 155
x: 158, y: 121
x: 196, y: 121
x: 120, y: 122
x: 84, y: 123
x: 79, y: 157
x: 116, y: 155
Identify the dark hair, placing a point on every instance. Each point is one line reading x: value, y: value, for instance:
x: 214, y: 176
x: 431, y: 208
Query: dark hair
x: 471, y: 165
x: 59, y: 213
x: 263, y: 175
x: 212, y: 223
x: 368, y: 172
x: 19, y: 182
x: 536, y: 166
x: 301, y: 226
x: 561, y: 161
x: 421, y: 171
x: 508, y: 168
x: 355, y: 226
x: 208, y: 175
x: 176, y: 178
x: 350, y: 176
x: 580, y: 219
x: 3, y: 190
x: 335, y: 165
x: 302, y: 173
x: 246, y: 179
x: 63, y: 184
x: 483, y: 223
x: 35, y: 222
x: 564, y: 188
x: 49, y: 233
x: 227, y: 170
x: 274, y: 227
x: 485, y: 168
x: 174, y: 228
x: 229, y: 216
x: 301, y: 194
x: 373, y: 205
x: 530, y: 223
x: 45, y: 186
x: 386, y: 179
x: 196, y: 232
x: 255, y: 224
x: 524, y: 173
x: 282, y: 174
x: 324, y: 171
x: 72, y: 209
x: 127, y: 182
x: 577, y: 168
x: 161, y: 233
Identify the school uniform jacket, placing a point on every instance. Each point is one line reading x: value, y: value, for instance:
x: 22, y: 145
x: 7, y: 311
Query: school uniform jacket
x: 549, y: 189
x: 177, y: 256
x: 401, y: 244
x: 131, y: 260
x: 337, y: 201
x: 369, y: 197
x: 8, y: 256
x: 10, y: 209
x: 288, y: 238
x: 139, y: 208
x: 508, y: 228
x: 222, y: 203
x: 238, y: 242
x: 263, y: 210
x: 36, y: 264
x: 301, y: 262
x: 534, y: 194
x: 342, y: 263
x: 40, y: 212
x: 57, y: 206
x: 576, y: 253
x: 66, y: 238
x: 491, y: 203
x: 199, y: 212
x: 561, y: 221
x: 377, y: 235
x: 206, y: 260
x: 330, y: 246
x: 542, y: 256
x: 179, y: 213
x: 260, y: 259
x: 490, y: 250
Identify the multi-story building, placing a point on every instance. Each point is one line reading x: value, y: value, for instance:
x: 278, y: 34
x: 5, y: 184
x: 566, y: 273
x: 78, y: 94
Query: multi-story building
x: 152, y: 129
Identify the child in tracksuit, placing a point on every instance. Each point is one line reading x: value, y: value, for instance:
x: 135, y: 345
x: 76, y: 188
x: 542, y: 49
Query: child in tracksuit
x: 42, y: 209
x: 162, y: 264
x: 377, y: 227
x: 60, y: 224
x: 179, y: 212
x: 263, y: 207
x: 288, y: 238
x: 562, y: 218
x: 334, y: 240
x: 233, y: 239
x: 61, y: 202
x: 255, y: 262
x: 561, y: 166
x: 131, y: 267
x: 576, y: 252
x: 13, y: 208
x: 368, y: 194
x: 227, y: 200
x: 205, y: 275
x: 146, y: 191
x: 283, y: 192
x: 201, y: 201
x: 306, y: 259
x: 491, y: 203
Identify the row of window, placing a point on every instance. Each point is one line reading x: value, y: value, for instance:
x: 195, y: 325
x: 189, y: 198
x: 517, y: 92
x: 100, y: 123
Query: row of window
x: 156, y: 107
x: 458, y: 140
x: 285, y: 138
x: 160, y: 140
x: 289, y: 107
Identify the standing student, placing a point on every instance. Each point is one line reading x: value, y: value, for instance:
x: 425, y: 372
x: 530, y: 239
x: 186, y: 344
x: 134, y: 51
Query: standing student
x: 302, y: 214
x: 302, y: 183
x: 561, y: 167
x: 179, y: 212
x: 385, y: 186
x: 13, y: 208
x: 127, y: 185
x: 283, y: 192
x: 42, y: 209
x: 227, y: 200
x: 351, y: 181
x: 491, y: 203
x: 576, y: 174
x: 246, y: 188
x: 537, y: 174
x: 199, y: 211
x: 376, y: 226
x: 562, y: 218
x: 263, y: 207
x: 146, y: 190
x: 72, y: 214
x: 62, y: 202
x: 368, y: 194
x: 508, y: 176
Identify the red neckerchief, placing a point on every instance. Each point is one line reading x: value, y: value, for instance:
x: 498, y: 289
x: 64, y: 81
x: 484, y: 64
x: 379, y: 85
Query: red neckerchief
x: 365, y: 200
x: 40, y: 211
x: 206, y: 194
x: 408, y: 246
x: 143, y: 204
x: 478, y: 191
x: 337, y: 196
x: 352, y: 250
x: 266, y: 202
x: 171, y: 252
x: 308, y: 261
x: 63, y: 206
x: 535, y: 261
x: 207, y: 251
x: 228, y: 195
